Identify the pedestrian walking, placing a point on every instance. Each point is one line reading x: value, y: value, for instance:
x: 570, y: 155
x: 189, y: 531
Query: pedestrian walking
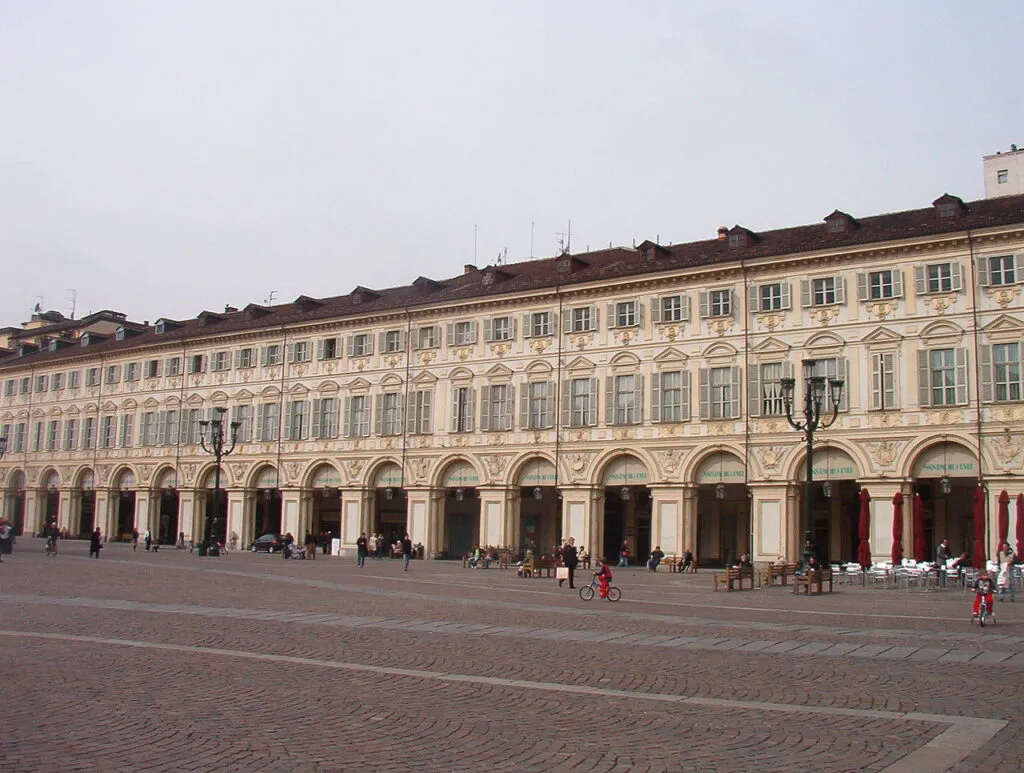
x: 406, y: 551
x: 96, y: 542
x: 148, y: 540
x: 135, y: 540
x: 624, y: 555
x: 6, y: 539
x: 1007, y: 558
x: 361, y: 550
x: 310, y: 544
x: 371, y: 545
x: 571, y: 559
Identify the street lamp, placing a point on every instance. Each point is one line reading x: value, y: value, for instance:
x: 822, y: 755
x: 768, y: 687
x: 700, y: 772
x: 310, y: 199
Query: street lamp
x: 815, y: 388
x: 216, y: 447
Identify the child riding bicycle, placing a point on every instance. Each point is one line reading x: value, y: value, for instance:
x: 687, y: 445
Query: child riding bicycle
x: 983, y: 587
x: 604, y: 579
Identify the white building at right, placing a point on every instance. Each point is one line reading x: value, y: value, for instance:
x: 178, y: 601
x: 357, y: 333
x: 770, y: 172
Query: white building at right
x: 1004, y: 173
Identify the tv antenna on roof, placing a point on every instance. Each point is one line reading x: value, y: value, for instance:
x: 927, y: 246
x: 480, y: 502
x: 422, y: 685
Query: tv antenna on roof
x: 270, y: 298
x: 72, y: 299
x: 565, y: 239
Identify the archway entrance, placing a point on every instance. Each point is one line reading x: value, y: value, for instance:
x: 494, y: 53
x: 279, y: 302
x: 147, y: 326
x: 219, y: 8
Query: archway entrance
x: 946, y: 476
x: 167, y: 517
x: 125, y: 506
x: 627, y: 509
x: 836, y: 505
x: 51, y: 499
x: 15, y: 505
x: 461, y: 509
x: 215, y: 512
x: 540, y: 509
x: 87, y: 505
x: 326, y: 505
x: 723, y: 510
x: 267, y: 515
x: 390, y: 516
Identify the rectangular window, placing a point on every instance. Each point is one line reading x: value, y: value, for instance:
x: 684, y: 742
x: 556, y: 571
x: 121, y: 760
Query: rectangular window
x: 42, y: 383
x: 173, y: 366
x: 721, y: 396
x: 9, y: 387
x: 833, y: 369
x: 52, y: 435
x: 147, y: 429
x: 581, y: 394
x: 297, y: 418
x: 823, y: 291
x: 1002, y: 270
x: 770, y: 396
x: 113, y: 374
x: 197, y: 363
x: 496, y: 407
x: 539, y: 324
x: 168, y: 428
x: 131, y: 371
x: 462, y: 333
x: 301, y: 351
x: 243, y: 415
x: 426, y: 337
x: 769, y: 297
x: 499, y: 329
x: 624, y: 399
x: 19, y: 437
x: 393, y: 341
x: 37, y: 436
x: 581, y: 320
x: 151, y: 369
x: 107, y: 431
x: 325, y: 418
x: 89, y: 433
x: 716, y: 303
x: 58, y: 382
x: 328, y: 349
x: 670, y: 396
x: 1002, y: 176
x: 268, y: 421
x: 26, y: 385
x: 220, y: 361
x: 883, y: 381
x: 271, y: 355
x: 462, y: 409
x: 880, y: 285
x: 671, y: 308
x: 92, y: 377
x: 127, y: 430
x: 389, y: 414
x: 942, y: 367
x: 625, y: 314
x: 1006, y: 367
x: 74, y: 379
x: 421, y: 403
x: 360, y: 345
x: 940, y: 278
x: 190, y: 429
x: 245, y: 358
x: 357, y: 416
x: 539, y: 397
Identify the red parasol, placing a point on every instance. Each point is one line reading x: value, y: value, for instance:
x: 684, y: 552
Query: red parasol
x: 1019, y: 526
x: 897, y: 527
x: 864, y: 530
x: 920, y: 551
x: 979, y: 529
x: 1004, y: 519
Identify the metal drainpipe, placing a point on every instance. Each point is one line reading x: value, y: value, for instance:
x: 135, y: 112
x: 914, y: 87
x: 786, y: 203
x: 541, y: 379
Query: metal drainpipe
x: 744, y: 404
x: 977, y: 369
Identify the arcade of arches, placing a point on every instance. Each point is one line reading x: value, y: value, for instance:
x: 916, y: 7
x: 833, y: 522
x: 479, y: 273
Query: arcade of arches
x: 719, y: 514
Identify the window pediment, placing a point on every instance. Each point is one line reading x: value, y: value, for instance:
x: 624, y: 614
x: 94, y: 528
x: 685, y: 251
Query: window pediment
x: 461, y: 374
x: 425, y: 377
x: 358, y: 384
x: 625, y: 360
x: 772, y: 345
x: 941, y: 330
x: 670, y: 356
x: 580, y: 364
x: 825, y: 341
x: 499, y: 371
x: 539, y: 368
x: 1004, y: 328
x: 719, y: 351
x: 882, y: 336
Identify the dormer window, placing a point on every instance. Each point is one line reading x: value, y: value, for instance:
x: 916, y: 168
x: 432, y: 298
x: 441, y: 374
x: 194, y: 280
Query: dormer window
x: 161, y: 327
x: 948, y: 206
x: 839, y: 223
x: 738, y: 239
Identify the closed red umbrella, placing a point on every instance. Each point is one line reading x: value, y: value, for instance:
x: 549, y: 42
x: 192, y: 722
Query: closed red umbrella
x: 864, y: 530
x: 1019, y: 527
x: 897, y: 527
x: 920, y: 551
x: 978, y: 559
x: 1004, y: 518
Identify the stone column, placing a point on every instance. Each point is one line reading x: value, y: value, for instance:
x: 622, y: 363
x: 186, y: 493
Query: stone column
x: 770, y: 526
x: 355, y: 518
x: 143, y: 512
x: 238, y: 499
x: 291, y: 500
x: 689, y: 525
x: 882, y: 491
x: 495, y: 503
x: 103, y: 508
x: 583, y: 517
x: 667, y: 508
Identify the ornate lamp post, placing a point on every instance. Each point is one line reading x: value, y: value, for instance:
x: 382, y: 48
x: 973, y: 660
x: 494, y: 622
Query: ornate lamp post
x: 217, y: 441
x: 815, y: 389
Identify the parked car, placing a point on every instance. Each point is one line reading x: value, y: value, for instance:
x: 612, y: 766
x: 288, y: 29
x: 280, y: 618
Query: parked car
x: 268, y: 543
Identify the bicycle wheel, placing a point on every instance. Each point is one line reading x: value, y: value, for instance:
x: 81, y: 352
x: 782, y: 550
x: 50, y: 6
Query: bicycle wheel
x: 587, y: 592
x: 614, y: 594
x: 982, y: 614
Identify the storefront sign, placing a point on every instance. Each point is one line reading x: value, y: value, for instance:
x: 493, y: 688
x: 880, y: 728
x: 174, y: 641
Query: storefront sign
x: 325, y: 477
x: 626, y: 471
x: 721, y: 468
x: 538, y: 472
x: 831, y: 464
x: 389, y: 476
x: 460, y: 475
x: 949, y: 459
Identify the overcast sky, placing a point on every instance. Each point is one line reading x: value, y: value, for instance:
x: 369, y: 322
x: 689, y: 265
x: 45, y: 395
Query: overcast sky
x: 162, y: 158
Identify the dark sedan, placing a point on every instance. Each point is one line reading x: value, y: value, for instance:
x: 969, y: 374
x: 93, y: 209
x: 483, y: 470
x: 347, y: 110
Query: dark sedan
x: 268, y: 543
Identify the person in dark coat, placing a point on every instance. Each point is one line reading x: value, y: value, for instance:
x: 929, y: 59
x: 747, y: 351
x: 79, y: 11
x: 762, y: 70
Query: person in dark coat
x: 95, y: 543
x: 362, y: 550
x: 571, y: 559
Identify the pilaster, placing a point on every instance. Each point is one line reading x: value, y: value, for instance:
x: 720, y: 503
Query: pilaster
x: 769, y: 505
x: 667, y: 507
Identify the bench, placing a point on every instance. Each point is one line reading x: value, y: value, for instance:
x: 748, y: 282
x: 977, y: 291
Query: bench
x: 813, y: 583
x: 677, y: 565
x: 542, y: 567
x: 734, y: 577
x: 782, y: 573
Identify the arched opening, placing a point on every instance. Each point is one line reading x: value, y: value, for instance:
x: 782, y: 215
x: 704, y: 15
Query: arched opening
x: 723, y: 510
x: 267, y: 516
x: 87, y: 505
x: 125, y: 486
x: 390, y: 517
x: 215, y: 504
x: 461, y: 517
x: 15, y: 505
x: 835, y: 506
x: 51, y: 498
x: 946, y: 476
x: 540, y: 508
x: 627, y: 509
x: 326, y: 515
x: 167, y: 523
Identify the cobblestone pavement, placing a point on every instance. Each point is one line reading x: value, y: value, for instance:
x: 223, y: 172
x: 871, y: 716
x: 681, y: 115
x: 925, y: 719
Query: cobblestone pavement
x: 171, y: 662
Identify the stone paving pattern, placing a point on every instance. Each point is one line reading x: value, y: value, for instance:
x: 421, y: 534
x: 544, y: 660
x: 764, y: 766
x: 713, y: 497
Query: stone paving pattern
x: 171, y: 662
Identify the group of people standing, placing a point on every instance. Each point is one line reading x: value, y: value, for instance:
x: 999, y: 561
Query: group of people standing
x: 375, y: 545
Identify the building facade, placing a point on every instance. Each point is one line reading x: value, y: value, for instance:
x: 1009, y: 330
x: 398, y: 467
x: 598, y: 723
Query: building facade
x: 1004, y: 173
x: 624, y: 395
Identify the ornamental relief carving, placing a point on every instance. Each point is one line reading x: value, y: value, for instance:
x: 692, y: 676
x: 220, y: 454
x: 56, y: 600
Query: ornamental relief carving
x: 1003, y: 295
x: 354, y: 468
x: 771, y: 427
x: 670, y: 430
x: 420, y: 467
x: 1008, y: 414
x: 500, y: 350
x: 672, y: 332
x: 721, y: 428
x: 881, y: 310
x: 427, y: 357
x: 624, y: 433
x: 360, y: 364
x: 577, y: 464
x: 539, y: 345
x: 771, y: 321
x: 1006, y: 448
x: 721, y: 326
x: 188, y: 473
x: 945, y: 417
x: 246, y: 375
x: 625, y: 337
x: 670, y: 461
x: 883, y: 453
x: 824, y: 316
x: 238, y: 471
x: 885, y: 420
x: 495, y: 464
x: 292, y: 470
x: 770, y: 457
x: 581, y: 340
x: 393, y: 360
x: 940, y: 303
x: 103, y: 474
x: 329, y: 367
x: 299, y: 370
x: 146, y: 472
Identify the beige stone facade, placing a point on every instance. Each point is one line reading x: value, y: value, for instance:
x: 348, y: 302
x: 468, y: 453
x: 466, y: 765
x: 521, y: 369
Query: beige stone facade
x: 607, y: 401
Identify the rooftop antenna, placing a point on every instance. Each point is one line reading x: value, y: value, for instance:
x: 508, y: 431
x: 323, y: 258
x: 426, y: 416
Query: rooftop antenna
x: 502, y: 258
x: 270, y: 298
x: 475, y: 230
x: 565, y: 240
x: 72, y: 299
x: 531, y: 238
x: 38, y: 308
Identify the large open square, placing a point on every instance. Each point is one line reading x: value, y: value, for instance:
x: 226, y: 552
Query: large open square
x: 171, y: 662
